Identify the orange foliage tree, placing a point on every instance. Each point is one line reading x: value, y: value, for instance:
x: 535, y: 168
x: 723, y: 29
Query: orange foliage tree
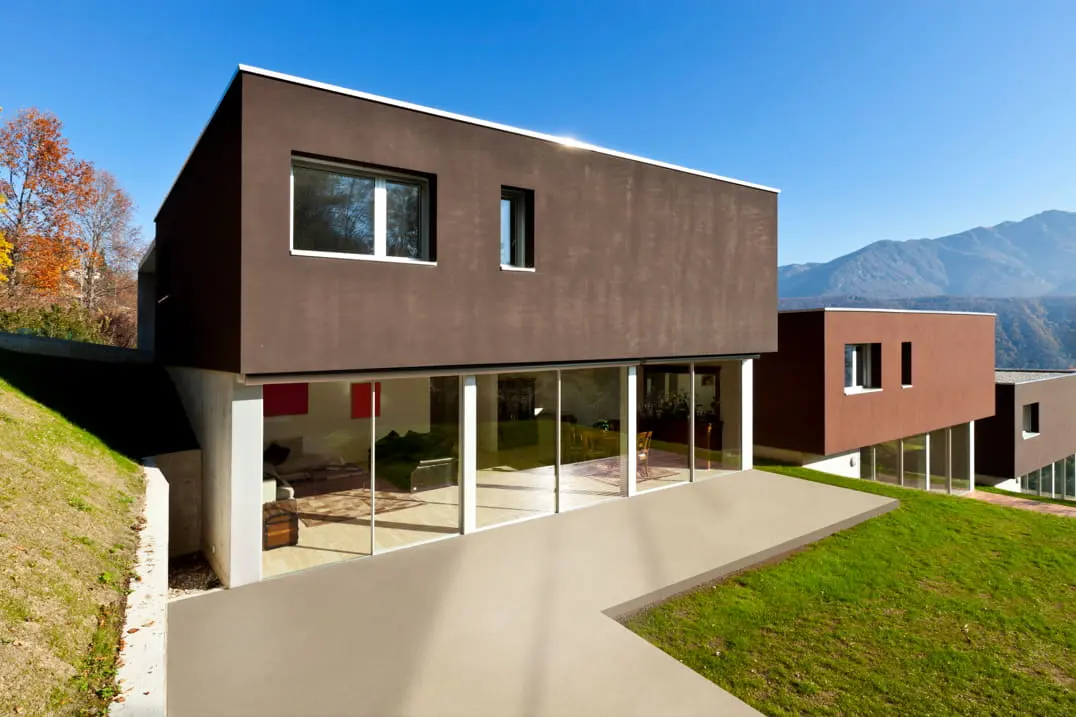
x: 44, y: 187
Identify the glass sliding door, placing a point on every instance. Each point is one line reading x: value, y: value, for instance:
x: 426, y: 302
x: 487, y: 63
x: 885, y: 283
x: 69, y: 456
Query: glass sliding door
x: 592, y: 440
x: 866, y: 463
x: 939, y: 461
x: 416, y: 461
x: 664, y: 425
x: 1070, y: 477
x: 517, y: 427
x: 718, y: 415
x: 317, y: 502
x: 915, y: 462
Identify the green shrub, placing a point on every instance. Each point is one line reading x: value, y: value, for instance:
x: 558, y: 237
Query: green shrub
x: 72, y: 322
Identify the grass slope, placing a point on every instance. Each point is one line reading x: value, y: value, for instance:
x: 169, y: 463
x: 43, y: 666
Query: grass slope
x: 943, y: 606
x: 68, y: 507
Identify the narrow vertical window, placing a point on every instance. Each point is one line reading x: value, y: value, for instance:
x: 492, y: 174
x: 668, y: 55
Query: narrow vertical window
x: 906, y: 363
x: 517, y: 228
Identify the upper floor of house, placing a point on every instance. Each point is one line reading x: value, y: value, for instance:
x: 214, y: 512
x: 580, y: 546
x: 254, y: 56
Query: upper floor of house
x: 846, y: 378
x: 1034, y: 424
x: 315, y: 228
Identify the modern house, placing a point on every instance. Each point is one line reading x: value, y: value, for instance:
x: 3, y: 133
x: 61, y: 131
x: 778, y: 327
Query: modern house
x: 1030, y: 443
x: 391, y: 324
x: 878, y: 394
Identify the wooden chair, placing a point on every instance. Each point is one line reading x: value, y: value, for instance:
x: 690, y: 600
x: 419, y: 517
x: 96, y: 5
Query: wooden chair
x: 642, y: 445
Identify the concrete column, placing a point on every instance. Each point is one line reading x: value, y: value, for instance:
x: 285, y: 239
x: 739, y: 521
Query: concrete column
x: 246, y: 485
x: 629, y: 435
x: 468, y: 453
x: 747, y: 414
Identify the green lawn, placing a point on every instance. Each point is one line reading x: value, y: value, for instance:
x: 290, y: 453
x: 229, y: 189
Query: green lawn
x: 943, y: 606
x: 1029, y: 496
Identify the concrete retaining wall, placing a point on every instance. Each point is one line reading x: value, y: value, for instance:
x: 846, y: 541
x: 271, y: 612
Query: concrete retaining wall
x: 72, y: 349
x: 141, y: 675
x: 183, y: 471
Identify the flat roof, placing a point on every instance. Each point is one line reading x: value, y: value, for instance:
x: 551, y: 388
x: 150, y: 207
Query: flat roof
x: 886, y: 311
x: 565, y: 141
x: 1013, y: 376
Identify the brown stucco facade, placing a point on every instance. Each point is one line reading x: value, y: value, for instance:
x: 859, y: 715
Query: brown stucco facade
x: 952, y: 378
x: 1002, y: 451
x: 632, y: 260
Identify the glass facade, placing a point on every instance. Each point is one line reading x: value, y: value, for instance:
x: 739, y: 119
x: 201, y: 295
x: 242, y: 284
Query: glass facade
x: 940, y: 461
x: 1056, y: 480
x: 354, y: 468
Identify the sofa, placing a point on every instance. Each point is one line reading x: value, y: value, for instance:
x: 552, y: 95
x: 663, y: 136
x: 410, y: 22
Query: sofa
x: 418, y: 461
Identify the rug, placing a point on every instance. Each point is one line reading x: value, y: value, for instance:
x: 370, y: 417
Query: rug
x: 609, y: 472
x: 348, y: 506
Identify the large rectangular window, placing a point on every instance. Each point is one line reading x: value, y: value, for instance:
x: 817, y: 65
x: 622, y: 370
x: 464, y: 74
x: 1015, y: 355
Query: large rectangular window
x: 517, y: 228
x: 862, y: 367
x: 357, y: 212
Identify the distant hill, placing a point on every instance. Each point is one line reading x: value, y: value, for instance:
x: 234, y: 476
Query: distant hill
x: 1034, y: 257
x: 1031, y: 332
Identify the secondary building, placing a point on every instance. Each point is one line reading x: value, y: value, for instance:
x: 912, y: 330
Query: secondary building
x: 1029, y: 445
x: 878, y: 394
x: 391, y: 324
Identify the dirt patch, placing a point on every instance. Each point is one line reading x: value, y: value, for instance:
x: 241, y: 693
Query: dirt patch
x: 190, y: 575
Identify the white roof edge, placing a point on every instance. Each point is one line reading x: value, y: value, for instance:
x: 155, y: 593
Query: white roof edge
x: 887, y: 311
x: 565, y: 141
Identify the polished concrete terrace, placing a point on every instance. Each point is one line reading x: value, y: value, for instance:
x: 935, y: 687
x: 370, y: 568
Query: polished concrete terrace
x: 512, y: 620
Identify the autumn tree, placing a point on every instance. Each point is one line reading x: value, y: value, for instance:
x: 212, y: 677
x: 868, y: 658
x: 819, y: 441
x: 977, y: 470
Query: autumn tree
x: 109, y: 242
x: 44, y: 187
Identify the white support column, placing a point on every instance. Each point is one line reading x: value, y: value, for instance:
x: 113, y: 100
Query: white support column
x: 556, y: 449
x: 691, y: 422
x: 926, y: 459
x: 245, y: 539
x: 629, y: 435
x: 971, y: 456
x: 468, y: 453
x: 747, y: 414
x: 373, y: 466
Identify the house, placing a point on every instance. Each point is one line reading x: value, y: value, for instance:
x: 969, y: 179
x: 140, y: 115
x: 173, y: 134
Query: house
x: 879, y: 394
x: 391, y: 324
x: 1029, y: 445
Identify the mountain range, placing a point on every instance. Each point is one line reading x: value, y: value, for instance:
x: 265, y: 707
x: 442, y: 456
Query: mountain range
x: 1032, y: 257
x: 1025, y: 272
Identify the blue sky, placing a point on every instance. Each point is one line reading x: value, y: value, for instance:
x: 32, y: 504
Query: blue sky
x: 878, y: 120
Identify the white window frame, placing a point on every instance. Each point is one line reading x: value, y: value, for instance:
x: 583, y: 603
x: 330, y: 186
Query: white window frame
x: 381, y: 178
x: 861, y: 369
x: 518, y: 230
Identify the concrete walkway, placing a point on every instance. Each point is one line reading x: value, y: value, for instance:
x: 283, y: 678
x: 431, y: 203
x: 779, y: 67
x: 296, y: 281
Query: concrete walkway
x: 510, y: 621
x: 1015, y: 501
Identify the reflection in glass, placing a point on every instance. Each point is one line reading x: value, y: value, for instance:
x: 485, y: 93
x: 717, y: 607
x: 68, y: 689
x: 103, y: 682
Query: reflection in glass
x: 403, y: 230
x: 960, y: 441
x: 416, y: 461
x: 718, y: 412
x: 333, y: 211
x: 1031, y: 482
x: 593, y: 447
x: 866, y: 463
x: 915, y: 456
x: 664, y: 425
x: 516, y: 446
x: 1070, y: 477
x: 939, y: 461
x: 887, y: 462
x: 317, y: 453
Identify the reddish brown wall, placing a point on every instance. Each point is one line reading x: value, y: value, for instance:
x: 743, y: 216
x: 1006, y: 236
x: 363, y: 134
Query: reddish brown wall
x: 789, y: 396
x: 1057, y: 423
x: 632, y: 260
x: 198, y: 251
x: 953, y: 375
